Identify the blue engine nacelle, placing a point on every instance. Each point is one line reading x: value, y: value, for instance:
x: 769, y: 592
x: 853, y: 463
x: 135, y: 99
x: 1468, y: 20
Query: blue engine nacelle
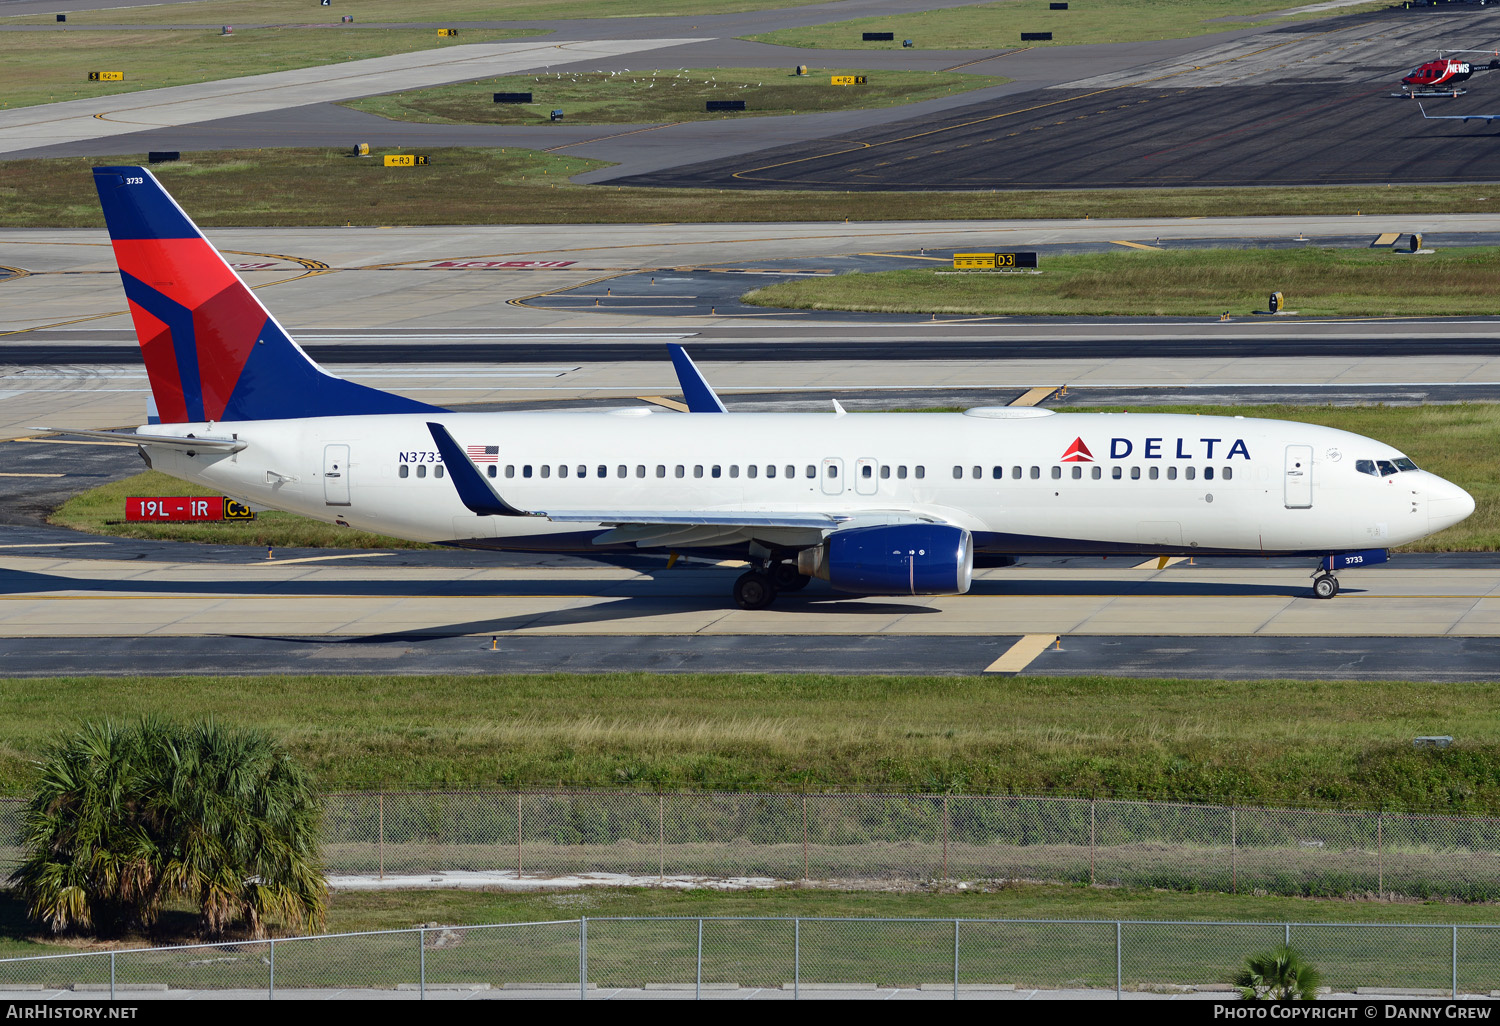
x: 899, y: 559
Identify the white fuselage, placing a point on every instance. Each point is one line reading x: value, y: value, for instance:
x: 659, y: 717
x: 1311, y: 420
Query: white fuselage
x: 1019, y: 480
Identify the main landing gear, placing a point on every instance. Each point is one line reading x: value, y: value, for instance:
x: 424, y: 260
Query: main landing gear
x: 1325, y: 585
x: 757, y: 588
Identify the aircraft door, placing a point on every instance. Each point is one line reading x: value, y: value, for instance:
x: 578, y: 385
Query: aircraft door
x: 865, y: 480
x: 833, y: 476
x: 336, y: 475
x: 1299, y: 476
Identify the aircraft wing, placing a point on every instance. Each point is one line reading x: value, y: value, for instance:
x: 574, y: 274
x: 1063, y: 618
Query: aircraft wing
x: 1456, y: 117
x: 169, y: 441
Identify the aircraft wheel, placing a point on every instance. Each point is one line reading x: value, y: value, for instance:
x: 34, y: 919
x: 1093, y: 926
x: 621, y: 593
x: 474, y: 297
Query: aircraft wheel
x: 754, y: 590
x: 786, y: 578
x: 1325, y: 586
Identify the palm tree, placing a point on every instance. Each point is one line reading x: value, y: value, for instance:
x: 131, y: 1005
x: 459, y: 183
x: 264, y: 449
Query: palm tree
x: 126, y: 817
x: 1280, y: 974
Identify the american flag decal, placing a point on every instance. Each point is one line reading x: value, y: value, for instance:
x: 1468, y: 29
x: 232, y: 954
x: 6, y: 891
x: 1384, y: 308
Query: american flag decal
x: 483, y: 453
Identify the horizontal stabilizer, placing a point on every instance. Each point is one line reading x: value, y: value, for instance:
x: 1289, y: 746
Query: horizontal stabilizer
x: 167, y: 441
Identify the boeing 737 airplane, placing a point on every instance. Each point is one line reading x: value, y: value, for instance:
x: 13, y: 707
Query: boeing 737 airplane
x: 873, y: 503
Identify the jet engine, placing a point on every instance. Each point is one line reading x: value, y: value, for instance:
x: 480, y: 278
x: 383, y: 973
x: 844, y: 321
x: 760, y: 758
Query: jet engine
x: 895, y: 559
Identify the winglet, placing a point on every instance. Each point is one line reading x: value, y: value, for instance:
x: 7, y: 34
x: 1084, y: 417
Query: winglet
x: 475, y: 492
x: 696, y: 390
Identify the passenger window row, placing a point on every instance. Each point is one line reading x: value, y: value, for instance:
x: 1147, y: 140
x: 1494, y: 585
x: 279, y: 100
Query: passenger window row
x: 404, y: 470
x: 1096, y: 472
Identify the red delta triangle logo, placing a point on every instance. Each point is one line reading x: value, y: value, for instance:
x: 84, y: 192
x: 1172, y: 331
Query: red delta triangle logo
x: 1078, y: 453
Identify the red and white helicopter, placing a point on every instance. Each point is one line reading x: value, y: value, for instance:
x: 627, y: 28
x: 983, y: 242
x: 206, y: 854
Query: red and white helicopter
x: 1440, y: 77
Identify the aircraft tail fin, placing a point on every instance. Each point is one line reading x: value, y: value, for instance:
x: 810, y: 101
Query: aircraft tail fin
x: 212, y: 351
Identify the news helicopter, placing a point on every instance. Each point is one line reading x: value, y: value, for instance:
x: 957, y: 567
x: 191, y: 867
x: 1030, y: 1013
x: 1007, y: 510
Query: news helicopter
x: 1440, y: 77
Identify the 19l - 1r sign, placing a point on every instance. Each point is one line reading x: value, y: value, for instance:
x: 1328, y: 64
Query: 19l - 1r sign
x: 179, y: 508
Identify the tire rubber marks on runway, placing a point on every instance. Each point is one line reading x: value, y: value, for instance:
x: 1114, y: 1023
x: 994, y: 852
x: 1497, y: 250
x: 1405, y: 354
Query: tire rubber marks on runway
x: 1020, y: 655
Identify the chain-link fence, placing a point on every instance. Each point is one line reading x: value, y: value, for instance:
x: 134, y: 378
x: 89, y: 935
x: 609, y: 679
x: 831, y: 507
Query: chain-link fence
x: 710, y: 956
x: 883, y: 839
x: 847, y: 839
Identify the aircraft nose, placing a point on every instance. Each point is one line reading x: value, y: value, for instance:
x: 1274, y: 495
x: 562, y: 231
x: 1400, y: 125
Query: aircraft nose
x: 1447, y: 504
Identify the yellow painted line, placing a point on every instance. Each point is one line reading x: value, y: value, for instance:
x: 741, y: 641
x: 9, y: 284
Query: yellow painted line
x: 53, y: 545
x: 1132, y: 245
x: 1034, y: 396
x: 316, y: 559
x: 1159, y: 563
x: 1386, y: 239
x: 69, y: 441
x: 905, y: 256
x: 671, y: 404
x: 31, y: 475
x: 1020, y: 655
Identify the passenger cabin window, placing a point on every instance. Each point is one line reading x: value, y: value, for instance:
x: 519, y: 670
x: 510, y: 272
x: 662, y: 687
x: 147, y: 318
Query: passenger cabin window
x: 546, y: 470
x: 562, y: 471
x: 752, y: 470
x: 492, y: 470
x: 734, y: 470
x: 1036, y: 472
x: 901, y: 472
x: 1077, y: 473
x: 1096, y: 472
x: 1228, y: 473
x: 698, y: 470
x: 1190, y: 472
x: 812, y: 471
x: 791, y: 471
x: 867, y: 472
x: 1116, y: 473
x: 1016, y: 472
x: 1154, y: 473
x: 623, y: 471
x: 421, y: 470
x: 437, y: 471
x: 885, y: 471
x: 403, y: 470
x: 958, y: 472
x: 1208, y: 473
x: 1056, y: 473
x: 1171, y: 473
x: 771, y: 470
x: 977, y: 473
x: 1135, y: 473
x: 640, y: 471
x: 510, y: 470
x: 526, y: 470
x: 661, y: 471
x: 921, y: 472
x: 681, y: 471
x: 997, y: 473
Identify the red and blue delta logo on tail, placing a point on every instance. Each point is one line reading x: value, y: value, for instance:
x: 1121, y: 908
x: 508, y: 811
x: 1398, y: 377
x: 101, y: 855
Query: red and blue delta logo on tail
x: 212, y: 351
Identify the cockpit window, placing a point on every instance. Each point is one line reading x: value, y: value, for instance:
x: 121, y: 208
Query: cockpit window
x: 1365, y: 467
x: 1405, y: 464
x: 1387, y: 468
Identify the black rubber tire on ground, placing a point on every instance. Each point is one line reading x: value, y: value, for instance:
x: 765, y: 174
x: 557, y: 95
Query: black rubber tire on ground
x: 1325, y: 586
x: 786, y: 577
x: 754, y: 590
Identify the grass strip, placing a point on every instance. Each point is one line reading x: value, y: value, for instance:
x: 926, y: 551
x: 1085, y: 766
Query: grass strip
x: 101, y: 510
x: 1316, y: 281
x: 256, y: 12
x: 1452, y: 441
x: 43, y: 67
x: 355, y: 911
x: 673, y: 95
x: 1261, y: 742
x: 300, y: 187
x: 999, y: 25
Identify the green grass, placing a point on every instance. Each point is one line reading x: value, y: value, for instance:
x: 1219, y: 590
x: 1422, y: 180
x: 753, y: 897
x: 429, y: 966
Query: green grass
x: 42, y: 67
x: 299, y: 187
x: 1453, y: 441
x: 1345, y: 742
x: 101, y: 510
x: 1200, y: 282
x: 999, y: 25
x: 674, y: 95
x: 351, y: 912
x: 255, y: 12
